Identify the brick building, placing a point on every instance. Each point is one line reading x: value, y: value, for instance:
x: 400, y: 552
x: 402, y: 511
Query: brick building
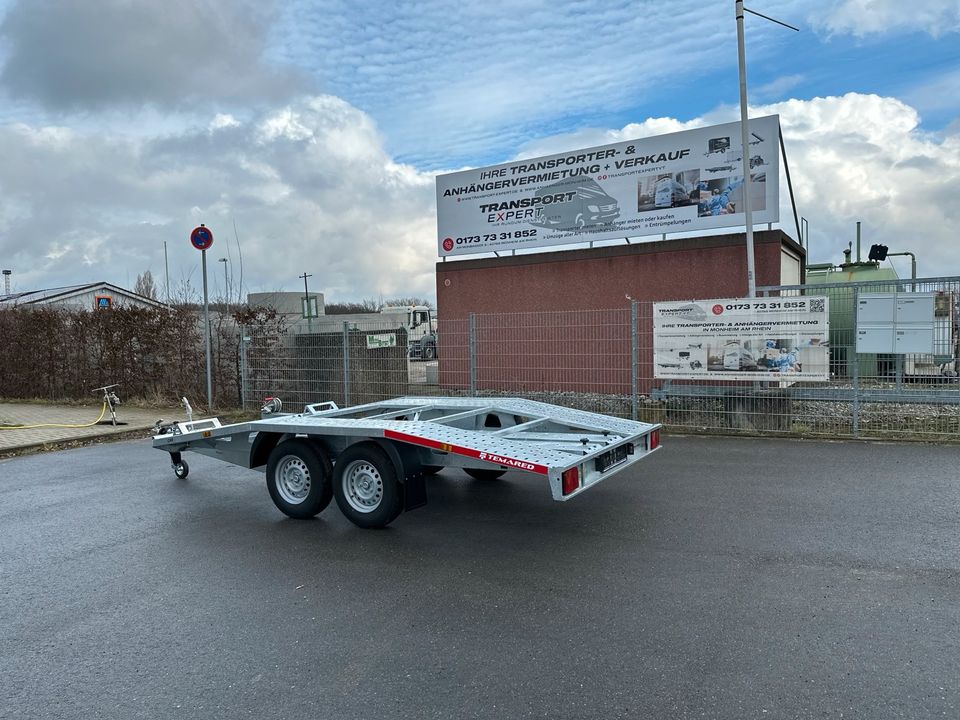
x: 600, y: 284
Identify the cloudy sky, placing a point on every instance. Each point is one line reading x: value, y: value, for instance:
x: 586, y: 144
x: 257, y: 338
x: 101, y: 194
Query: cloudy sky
x: 307, y: 133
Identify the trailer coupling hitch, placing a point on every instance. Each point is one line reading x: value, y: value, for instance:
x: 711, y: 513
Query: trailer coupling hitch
x: 271, y: 405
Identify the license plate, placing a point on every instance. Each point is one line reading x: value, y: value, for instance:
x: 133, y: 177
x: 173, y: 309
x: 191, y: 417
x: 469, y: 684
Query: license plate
x: 612, y: 457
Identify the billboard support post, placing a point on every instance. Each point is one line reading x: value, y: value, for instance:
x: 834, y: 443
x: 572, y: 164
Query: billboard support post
x: 793, y: 200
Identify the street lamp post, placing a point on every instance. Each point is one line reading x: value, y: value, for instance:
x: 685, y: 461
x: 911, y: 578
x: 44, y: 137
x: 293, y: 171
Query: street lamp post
x: 744, y: 145
x: 744, y: 139
x: 226, y: 283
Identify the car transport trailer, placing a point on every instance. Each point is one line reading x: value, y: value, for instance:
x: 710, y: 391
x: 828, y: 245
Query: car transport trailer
x: 373, y: 458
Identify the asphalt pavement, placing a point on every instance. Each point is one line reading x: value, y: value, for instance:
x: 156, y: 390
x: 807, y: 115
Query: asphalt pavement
x: 720, y: 578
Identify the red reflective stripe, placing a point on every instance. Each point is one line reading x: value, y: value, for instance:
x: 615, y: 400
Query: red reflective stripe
x: 468, y: 452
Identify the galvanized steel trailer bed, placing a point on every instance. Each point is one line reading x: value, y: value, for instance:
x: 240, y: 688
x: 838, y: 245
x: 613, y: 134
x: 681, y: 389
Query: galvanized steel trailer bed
x: 373, y: 457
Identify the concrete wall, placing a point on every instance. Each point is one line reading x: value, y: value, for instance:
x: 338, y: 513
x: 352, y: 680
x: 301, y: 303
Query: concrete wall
x: 289, y: 305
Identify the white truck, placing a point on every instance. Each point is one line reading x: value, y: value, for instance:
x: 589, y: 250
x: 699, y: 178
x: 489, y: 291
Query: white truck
x: 374, y: 458
x: 417, y: 320
x: 421, y: 329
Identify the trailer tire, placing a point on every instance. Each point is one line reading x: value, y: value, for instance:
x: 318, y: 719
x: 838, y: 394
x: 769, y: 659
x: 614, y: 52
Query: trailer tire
x: 181, y: 470
x: 484, y: 474
x: 367, y: 487
x: 298, y: 478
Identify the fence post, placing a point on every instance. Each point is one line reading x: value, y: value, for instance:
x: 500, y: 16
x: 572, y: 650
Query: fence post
x: 243, y: 367
x: 856, y: 366
x: 634, y: 359
x: 346, y: 364
x: 473, y: 354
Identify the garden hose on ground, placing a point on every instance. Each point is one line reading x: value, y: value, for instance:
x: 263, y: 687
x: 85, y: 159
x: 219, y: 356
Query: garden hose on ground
x: 56, y: 425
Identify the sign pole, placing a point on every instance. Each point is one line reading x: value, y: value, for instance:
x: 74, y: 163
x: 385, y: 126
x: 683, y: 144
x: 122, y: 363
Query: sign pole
x: 206, y: 330
x: 201, y: 238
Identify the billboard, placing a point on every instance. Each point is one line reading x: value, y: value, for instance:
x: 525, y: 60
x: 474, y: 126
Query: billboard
x: 776, y: 338
x: 685, y: 181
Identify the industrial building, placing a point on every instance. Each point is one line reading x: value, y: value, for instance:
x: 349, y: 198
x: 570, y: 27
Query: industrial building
x: 91, y: 296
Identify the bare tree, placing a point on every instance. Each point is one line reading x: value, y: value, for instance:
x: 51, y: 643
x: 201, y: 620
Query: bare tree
x: 345, y: 308
x: 372, y: 306
x: 145, y: 285
x: 409, y: 301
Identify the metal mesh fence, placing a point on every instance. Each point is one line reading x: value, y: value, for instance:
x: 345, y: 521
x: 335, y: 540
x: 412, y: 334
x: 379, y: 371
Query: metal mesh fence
x: 347, y: 362
x: 603, y: 361
x: 883, y: 395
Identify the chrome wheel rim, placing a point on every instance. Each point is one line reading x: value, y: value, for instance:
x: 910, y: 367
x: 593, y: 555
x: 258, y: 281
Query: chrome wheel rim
x: 362, y: 486
x: 293, y: 479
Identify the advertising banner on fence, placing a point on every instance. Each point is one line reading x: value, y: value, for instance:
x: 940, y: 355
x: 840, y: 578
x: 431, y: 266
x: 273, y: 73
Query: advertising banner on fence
x: 690, y: 180
x: 776, y: 338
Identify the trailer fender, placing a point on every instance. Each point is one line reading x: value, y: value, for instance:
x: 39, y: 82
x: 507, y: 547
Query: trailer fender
x: 263, y: 444
x: 407, y: 462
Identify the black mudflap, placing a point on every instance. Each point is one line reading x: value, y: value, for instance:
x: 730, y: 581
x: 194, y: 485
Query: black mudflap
x: 414, y: 491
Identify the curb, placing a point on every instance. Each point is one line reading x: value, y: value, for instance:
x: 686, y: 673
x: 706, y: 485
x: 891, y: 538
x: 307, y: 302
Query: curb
x: 66, y: 444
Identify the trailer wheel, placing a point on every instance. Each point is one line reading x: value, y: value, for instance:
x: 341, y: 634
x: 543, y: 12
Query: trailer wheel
x: 484, y: 474
x: 298, y: 478
x: 181, y: 469
x: 366, y: 486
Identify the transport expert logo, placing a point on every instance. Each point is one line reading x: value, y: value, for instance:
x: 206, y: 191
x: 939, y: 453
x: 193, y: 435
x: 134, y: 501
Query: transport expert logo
x: 448, y: 244
x: 718, y: 309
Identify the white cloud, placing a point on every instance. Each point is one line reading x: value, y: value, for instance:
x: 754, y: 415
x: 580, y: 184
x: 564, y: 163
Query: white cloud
x: 284, y: 124
x: 223, y: 120
x: 939, y: 92
x: 855, y: 157
x: 778, y: 87
x: 62, y: 54
x: 309, y: 185
x: 322, y: 195
x: 863, y: 157
x: 868, y: 17
x: 485, y: 77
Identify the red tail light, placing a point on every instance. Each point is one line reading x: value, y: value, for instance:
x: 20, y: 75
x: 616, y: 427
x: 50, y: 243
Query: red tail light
x: 570, y: 480
x: 654, y: 440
